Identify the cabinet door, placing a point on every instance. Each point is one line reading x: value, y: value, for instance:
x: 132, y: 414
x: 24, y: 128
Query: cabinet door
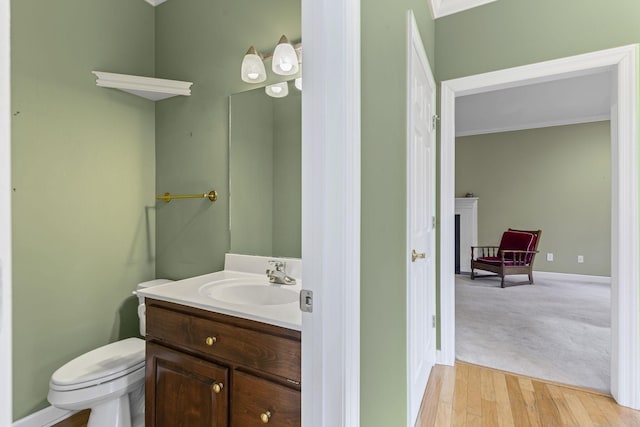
x: 257, y: 401
x: 184, y: 391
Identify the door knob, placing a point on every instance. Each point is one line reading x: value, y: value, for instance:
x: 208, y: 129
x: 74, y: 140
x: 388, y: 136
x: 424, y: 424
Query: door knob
x: 217, y: 387
x: 415, y: 255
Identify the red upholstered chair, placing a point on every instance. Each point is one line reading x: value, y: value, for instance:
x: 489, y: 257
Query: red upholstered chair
x: 515, y: 255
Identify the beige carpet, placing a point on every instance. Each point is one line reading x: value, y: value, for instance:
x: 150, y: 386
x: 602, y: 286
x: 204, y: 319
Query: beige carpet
x: 554, y: 330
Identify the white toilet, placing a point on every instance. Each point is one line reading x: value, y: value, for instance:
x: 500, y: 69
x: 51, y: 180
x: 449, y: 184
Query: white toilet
x: 109, y: 380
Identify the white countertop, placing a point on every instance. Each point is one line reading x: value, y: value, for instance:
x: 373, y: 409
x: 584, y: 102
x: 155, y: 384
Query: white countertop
x: 187, y: 292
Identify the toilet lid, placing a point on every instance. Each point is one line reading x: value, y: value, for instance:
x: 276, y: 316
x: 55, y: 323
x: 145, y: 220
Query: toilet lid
x: 100, y: 365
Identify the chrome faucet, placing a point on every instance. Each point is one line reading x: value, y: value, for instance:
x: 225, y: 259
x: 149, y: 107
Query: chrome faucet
x: 277, y: 274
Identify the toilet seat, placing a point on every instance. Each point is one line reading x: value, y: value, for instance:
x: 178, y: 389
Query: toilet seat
x: 104, y: 364
x: 88, y: 397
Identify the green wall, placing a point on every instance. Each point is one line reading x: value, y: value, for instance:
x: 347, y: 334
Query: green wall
x: 265, y: 173
x: 383, y: 371
x: 287, y: 175
x: 204, y: 41
x: 251, y: 173
x: 556, y: 179
x: 83, y: 178
x: 507, y: 33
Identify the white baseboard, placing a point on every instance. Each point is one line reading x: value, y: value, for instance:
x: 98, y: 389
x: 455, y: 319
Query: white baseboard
x: 44, y: 418
x: 572, y: 277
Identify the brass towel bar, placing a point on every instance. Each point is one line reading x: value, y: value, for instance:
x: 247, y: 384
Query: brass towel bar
x: 167, y: 197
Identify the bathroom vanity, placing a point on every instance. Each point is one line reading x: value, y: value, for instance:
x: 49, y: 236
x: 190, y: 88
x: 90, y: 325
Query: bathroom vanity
x: 218, y: 363
x: 204, y: 368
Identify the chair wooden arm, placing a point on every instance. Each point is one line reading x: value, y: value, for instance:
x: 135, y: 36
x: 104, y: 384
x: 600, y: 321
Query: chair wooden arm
x: 519, y: 257
x: 484, y: 251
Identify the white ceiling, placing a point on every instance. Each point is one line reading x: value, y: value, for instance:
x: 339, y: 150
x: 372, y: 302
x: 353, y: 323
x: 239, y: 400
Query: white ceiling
x: 568, y: 101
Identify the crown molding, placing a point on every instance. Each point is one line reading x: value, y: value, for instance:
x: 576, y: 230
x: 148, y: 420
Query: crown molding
x: 440, y: 8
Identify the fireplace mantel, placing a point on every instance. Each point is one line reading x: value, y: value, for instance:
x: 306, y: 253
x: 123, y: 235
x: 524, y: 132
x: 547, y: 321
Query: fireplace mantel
x: 467, y: 208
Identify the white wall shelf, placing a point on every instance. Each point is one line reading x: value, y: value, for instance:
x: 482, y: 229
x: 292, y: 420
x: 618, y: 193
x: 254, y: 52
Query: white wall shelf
x: 155, y: 2
x: 440, y: 8
x: 146, y: 87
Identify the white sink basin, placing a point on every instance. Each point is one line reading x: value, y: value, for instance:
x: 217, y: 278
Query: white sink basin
x: 248, y: 292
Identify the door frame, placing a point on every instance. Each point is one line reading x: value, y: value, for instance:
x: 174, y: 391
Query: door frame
x: 414, y: 44
x: 331, y: 212
x: 5, y: 217
x: 625, y: 275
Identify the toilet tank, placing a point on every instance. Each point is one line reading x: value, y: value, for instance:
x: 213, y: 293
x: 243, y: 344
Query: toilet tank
x: 141, y: 306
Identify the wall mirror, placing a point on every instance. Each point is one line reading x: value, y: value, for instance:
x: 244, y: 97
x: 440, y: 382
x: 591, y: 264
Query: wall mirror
x: 265, y: 135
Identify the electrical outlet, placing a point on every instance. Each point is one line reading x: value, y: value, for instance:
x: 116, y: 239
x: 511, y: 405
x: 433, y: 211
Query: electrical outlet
x: 580, y: 259
x: 549, y: 256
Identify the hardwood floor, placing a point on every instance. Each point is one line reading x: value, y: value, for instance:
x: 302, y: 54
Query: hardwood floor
x: 474, y: 396
x: 471, y: 395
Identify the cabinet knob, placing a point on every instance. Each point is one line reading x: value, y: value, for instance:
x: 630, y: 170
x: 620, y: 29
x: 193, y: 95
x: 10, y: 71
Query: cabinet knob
x: 210, y: 341
x: 217, y: 387
x: 264, y: 417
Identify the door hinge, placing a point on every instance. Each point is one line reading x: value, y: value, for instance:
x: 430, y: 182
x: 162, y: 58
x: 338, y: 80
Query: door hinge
x: 306, y: 301
x: 433, y: 222
x: 434, y: 121
x: 433, y: 321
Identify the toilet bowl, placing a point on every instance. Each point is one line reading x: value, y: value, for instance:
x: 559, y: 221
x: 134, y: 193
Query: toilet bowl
x: 109, y: 380
x: 102, y: 380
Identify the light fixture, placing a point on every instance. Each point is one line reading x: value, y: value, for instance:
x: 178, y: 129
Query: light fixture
x: 278, y: 90
x: 298, y: 83
x: 252, y: 67
x: 285, y: 60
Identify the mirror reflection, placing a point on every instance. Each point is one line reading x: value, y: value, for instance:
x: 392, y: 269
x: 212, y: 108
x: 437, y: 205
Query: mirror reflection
x: 265, y: 135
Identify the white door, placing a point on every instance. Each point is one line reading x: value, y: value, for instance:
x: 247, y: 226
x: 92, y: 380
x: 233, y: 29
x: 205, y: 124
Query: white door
x: 421, y: 295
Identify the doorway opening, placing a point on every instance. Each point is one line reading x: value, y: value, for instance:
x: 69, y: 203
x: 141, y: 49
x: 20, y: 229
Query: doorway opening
x: 625, y: 343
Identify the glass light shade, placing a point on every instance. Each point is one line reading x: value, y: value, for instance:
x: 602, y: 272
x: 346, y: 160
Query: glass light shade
x: 278, y: 90
x: 285, y: 60
x: 253, y: 68
x: 298, y: 83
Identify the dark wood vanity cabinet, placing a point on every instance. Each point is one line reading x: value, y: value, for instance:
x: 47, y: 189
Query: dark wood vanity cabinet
x: 186, y: 391
x: 209, y: 369
x: 253, y: 394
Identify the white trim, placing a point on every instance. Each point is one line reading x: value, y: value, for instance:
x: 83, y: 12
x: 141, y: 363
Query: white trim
x: 331, y: 213
x: 568, y: 277
x: 440, y: 8
x: 447, y: 353
x: 5, y: 216
x: 539, y: 125
x: 625, y: 276
x: 44, y: 418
